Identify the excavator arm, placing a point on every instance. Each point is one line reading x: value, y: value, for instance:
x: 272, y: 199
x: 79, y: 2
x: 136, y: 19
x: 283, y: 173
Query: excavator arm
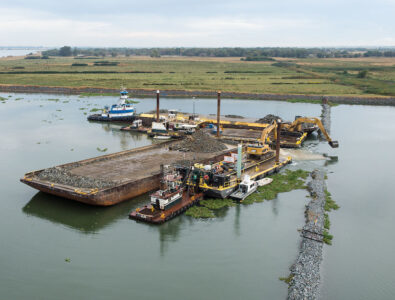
x: 267, y: 131
x: 299, y: 121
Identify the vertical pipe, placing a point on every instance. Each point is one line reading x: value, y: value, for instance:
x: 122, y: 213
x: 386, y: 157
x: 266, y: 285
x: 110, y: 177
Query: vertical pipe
x: 239, y: 160
x: 218, y: 112
x: 157, y: 106
x: 278, y: 142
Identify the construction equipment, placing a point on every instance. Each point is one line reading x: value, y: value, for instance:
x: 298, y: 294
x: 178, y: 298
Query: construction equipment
x: 297, y: 126
x: 262, y: 146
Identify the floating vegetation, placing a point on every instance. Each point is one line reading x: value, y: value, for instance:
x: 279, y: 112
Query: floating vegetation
x: 72, y: 149
x: 67, y: 101
x: 288, y: 279
x: 2, y: 98
x: 330, y: 204
x: 17, y: 99
x: 327, y: 223
x: 67, y: 260
x: 282, y: 182
x: 101, y: 150
x: 217, y: 203
x: 9, y: 96
x: 200, y: 212
x: 327, y: 239
x: 54, y: 100
x: 97, y: 94
x: 58, y: 110
x: 82, y: 108
x: 85, y: 113
x: 95, y: 109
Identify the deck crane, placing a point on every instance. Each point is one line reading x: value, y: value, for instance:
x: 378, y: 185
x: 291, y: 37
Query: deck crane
x: 297, y: 126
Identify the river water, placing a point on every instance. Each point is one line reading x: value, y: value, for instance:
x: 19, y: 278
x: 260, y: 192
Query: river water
x: 53, y: 248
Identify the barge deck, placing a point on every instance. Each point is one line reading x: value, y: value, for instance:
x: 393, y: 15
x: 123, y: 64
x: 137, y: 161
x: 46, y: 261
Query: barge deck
x: 128, y: 174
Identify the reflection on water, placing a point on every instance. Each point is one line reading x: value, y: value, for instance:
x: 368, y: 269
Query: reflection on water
x: 78, y: 216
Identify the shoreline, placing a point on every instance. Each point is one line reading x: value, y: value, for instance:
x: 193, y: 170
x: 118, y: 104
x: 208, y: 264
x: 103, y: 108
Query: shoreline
x: 383, y: 100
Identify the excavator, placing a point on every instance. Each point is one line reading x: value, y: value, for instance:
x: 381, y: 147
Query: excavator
x: 262, y: 146
x: 297, y: 126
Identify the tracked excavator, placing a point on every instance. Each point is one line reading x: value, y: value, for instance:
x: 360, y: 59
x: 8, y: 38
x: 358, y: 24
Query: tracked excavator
x: 297, y: 126
x: 261, y: 147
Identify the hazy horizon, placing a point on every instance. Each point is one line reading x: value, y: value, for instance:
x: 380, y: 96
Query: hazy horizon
x: 220, y: 23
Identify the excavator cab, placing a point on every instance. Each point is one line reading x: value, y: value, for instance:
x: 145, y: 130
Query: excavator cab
x: 258, y: 149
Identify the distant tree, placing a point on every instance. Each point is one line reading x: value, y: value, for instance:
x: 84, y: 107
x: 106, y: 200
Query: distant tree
x: 155, y: 53
x: 114, y: 54
x: 65, y: 51
x: 362, y: 74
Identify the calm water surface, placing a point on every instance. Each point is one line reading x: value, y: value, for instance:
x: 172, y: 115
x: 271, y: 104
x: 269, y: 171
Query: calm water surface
x: 238, y: 255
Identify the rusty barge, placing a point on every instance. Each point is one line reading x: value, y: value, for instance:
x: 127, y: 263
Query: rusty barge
x: 129, y: 173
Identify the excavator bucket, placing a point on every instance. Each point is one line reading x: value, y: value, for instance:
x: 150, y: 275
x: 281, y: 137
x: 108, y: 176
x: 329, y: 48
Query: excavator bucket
x: 334, y: 144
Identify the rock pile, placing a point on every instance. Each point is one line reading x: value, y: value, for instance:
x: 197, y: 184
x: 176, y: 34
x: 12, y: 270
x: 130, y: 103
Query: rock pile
x: 61, y: 175
x: 268, y: 119
x: 305, y: 272
x: 199, y: 141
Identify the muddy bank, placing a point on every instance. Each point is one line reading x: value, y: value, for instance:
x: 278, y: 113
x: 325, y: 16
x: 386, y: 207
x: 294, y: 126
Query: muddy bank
x: 305, y: 272
x: 206, y: 94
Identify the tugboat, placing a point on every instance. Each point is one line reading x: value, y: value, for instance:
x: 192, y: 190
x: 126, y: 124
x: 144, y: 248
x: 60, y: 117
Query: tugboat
x: 171, y: 194
x: 122, y: 111
x: 171, y: 200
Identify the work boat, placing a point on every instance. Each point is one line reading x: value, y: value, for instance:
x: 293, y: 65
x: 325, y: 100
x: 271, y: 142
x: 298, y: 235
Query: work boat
x: 121, y: 110
x: 246, y: 188
x: 171, y: 194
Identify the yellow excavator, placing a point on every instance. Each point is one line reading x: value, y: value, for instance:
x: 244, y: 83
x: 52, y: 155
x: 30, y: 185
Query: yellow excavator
x: 262, y: 146
x: 297, y: 126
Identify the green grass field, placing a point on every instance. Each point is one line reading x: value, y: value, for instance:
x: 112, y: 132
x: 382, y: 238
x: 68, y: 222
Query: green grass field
x: 302, y: 76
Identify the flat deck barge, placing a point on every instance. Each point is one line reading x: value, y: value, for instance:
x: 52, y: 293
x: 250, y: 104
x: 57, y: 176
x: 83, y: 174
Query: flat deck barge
x: 128, y: 174
x: 156, y: 216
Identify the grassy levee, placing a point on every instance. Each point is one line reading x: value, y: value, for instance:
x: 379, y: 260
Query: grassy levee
x: 302, y: 76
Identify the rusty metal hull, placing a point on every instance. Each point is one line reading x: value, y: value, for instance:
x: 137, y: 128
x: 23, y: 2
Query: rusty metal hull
x: 132, y: 185
x: 155, y: 216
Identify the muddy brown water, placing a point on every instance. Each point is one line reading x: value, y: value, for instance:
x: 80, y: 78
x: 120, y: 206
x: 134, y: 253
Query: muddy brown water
x: 53, y: 248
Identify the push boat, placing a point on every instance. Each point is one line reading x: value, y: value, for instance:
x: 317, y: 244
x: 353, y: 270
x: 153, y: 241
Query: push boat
x: 122, y: 111
x: 170, y: 201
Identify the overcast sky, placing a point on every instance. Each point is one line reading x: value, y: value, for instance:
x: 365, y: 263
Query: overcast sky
x: 203, y: 23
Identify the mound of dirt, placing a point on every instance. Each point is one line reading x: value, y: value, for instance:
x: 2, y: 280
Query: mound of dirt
x: 268, y: 119
x: 199, y: 141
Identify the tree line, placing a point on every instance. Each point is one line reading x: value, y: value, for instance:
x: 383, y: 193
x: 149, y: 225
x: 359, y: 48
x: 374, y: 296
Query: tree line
x: 247, y: 53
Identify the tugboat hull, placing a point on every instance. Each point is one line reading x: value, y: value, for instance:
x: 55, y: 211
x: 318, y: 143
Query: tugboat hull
x: 100, y: 118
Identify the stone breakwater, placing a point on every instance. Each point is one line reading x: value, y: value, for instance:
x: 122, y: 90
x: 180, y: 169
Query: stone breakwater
x: 305, y: 272
x: 326, y: 117
x: 206, y: 94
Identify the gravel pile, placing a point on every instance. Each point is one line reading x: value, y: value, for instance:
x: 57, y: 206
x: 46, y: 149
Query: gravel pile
x: 268, y: 119
x: 64, y: 176
x: 199, y: 141
x: 306, y: 269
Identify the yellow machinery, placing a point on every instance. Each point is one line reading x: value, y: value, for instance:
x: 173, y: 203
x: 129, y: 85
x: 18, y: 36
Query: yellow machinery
x: 262, y: 147
x: 297, y: 126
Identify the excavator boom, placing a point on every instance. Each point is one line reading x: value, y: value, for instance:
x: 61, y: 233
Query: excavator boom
x: 295, y: 124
